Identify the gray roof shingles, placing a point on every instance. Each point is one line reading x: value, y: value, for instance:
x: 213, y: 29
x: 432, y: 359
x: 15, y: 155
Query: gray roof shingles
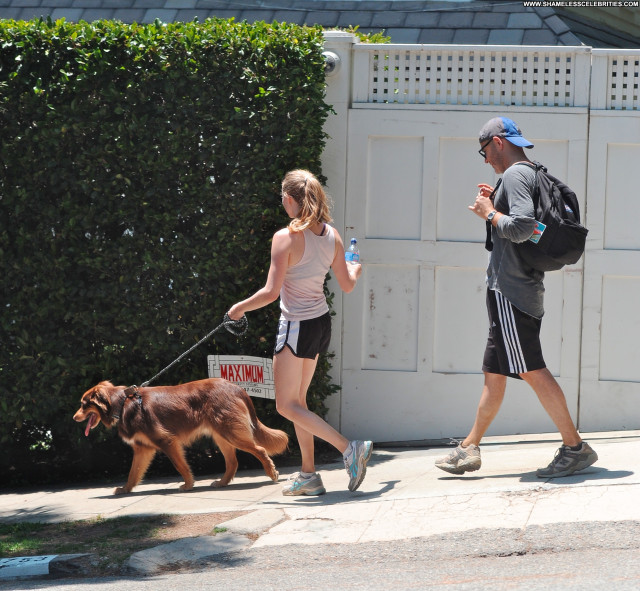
x: 423, y: 20
x: 403, y: 35
x: 180, y: 4
x: 490, y: 20
x: 471, y: 36
x: 528, y: 20
x: 476, y: 22
x: 324, y: 18
x: 391, y: 18
x: 506, y: 37
x: 455, y: 20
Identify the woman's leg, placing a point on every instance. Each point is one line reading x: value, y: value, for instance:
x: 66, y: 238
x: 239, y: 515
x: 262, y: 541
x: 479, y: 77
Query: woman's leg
x: 305, y: 438
x: 292, y: 376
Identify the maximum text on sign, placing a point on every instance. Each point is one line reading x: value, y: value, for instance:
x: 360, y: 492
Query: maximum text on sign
x: 254, y: 374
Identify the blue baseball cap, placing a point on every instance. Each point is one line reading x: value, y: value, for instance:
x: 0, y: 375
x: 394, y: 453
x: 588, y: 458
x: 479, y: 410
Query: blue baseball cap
x: 506, y: 128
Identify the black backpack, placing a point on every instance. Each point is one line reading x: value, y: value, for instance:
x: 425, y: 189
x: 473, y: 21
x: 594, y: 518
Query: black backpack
x: 558, y: 239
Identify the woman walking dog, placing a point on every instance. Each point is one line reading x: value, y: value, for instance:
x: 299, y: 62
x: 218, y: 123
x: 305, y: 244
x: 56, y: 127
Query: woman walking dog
x: 301, y: 255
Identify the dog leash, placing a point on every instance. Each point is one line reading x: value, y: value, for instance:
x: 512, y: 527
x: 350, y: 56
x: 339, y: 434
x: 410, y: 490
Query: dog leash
x: 235, y: 327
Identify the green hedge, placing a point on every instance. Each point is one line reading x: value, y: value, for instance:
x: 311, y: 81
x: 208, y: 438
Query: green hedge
x: 140, y: 170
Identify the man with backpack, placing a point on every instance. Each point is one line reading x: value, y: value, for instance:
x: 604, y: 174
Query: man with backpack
x: 515, y: 294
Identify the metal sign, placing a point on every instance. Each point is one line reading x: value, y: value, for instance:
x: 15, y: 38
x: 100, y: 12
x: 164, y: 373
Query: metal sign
x: 254, y: 374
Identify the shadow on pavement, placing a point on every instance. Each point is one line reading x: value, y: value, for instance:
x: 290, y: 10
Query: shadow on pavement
x: 591, y: 474
x: 335, y: 497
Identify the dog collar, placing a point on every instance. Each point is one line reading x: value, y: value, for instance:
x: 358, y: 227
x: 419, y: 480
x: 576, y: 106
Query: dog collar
x: 130, y: 393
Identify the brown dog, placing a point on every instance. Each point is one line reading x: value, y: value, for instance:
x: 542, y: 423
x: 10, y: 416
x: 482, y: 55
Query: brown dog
x: 168, y: 418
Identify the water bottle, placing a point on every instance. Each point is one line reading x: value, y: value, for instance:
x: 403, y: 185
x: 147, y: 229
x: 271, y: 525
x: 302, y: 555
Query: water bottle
x: 352, y: 254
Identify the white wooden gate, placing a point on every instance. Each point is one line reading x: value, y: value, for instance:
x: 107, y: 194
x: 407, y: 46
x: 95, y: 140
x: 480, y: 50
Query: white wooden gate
x: 610, y: 385
x: 403, y: 166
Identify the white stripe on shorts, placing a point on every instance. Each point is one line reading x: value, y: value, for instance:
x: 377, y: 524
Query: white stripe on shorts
x: 288, y: 334
x: 517, y: 364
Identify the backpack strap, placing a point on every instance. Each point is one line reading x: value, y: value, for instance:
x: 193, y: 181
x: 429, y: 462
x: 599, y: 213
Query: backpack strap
x: 535, y: 165
x: 536, y: 190
x: 488, y: 243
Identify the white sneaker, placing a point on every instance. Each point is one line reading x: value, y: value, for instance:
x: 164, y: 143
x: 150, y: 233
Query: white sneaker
x: 356, y: 462
x: 297, y: 486
x: 461, y: 460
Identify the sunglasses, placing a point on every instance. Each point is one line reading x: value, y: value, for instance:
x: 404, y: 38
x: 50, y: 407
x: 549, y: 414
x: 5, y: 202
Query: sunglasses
x: 481, y: 151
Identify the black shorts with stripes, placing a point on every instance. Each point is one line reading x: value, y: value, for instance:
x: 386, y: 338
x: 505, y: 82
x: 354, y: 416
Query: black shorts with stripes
x: 305, y: 338
x: 513, y: 346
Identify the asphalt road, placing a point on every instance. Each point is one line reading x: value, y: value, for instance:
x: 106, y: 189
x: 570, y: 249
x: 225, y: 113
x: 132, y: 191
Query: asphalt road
x: 603, y: 556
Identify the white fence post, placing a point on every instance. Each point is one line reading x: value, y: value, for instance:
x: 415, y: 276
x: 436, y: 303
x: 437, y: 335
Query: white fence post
x: 339, y: 53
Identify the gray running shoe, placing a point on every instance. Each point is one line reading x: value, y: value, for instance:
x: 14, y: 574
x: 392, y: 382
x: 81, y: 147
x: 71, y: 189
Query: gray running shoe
x: 356, y: 463
x: 566, y: 461
x: 298, y: 486
x: 461, y: 460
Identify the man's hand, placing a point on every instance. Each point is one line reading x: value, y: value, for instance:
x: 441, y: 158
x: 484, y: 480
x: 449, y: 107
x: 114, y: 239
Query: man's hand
x: 483, y: 206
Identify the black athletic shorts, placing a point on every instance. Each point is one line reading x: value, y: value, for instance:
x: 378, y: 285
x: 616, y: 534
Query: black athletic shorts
x: 305, y: 338
x: 513, y: 346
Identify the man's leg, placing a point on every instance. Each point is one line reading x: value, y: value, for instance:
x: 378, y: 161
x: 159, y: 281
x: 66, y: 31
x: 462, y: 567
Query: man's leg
x: 466, y: 457
x: 553, y: 401
x: 488, y: 407
x: 574, y: 455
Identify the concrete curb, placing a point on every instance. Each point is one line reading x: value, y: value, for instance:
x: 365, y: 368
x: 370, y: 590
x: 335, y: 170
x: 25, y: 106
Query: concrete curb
x: 255, y: 522
x: 186, y: 550
x: 190, y: 550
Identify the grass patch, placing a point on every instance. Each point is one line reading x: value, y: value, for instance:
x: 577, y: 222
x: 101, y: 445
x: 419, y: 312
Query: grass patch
x: 18, y: 538
x: 110, y: 542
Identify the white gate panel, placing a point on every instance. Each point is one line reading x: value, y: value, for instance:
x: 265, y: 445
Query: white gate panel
x: 401, y: 160
x: 620, y: 297
x: 451, y: 285
x: 388, y: 288
x: 610, y: 384
x: 415, y: 327
x: 621, y: 213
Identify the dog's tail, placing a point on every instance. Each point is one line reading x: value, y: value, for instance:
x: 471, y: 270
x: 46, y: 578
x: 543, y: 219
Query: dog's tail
x: 274, y: 441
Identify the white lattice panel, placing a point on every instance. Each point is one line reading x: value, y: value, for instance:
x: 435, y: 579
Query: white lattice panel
x: 622, y: 82
x: 446, y: 75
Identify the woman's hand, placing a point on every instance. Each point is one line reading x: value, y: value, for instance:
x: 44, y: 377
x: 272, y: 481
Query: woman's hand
x: 354, y: 270
x: 235, y: 312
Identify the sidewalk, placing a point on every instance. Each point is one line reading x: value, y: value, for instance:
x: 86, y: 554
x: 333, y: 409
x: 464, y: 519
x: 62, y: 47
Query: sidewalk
x: 403, y: 495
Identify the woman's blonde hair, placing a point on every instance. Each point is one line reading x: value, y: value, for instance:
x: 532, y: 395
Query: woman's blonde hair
x: 305, y: 189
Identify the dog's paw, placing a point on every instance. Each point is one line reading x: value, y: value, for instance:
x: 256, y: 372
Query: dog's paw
x: 185, y: 486
x: 275, y: 476
x: 120, y: 490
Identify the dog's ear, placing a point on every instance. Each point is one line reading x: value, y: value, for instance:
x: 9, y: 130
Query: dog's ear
x: 101, y: 398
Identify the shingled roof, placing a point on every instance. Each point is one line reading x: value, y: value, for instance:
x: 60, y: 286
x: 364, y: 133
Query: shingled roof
x: 475, y: 22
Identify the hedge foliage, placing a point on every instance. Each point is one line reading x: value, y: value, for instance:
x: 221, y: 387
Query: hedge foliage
x: 140, y: 170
